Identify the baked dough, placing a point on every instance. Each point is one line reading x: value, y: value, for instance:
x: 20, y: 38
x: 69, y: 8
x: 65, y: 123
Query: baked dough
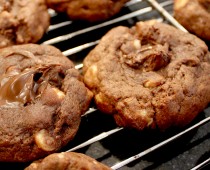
x: 67, y: 161
x: 194, y: 15
x: 88, y: 10
x: 150, y: 76
x: 42, y: 98
x: 22, y: 22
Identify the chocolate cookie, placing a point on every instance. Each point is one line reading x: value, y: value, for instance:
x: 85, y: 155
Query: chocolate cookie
x: 89, y: 10
x: 42, y: 97
x: 194, y: 15
x: 67, y: 161
x: 150, y: 76
x: 22, y: 22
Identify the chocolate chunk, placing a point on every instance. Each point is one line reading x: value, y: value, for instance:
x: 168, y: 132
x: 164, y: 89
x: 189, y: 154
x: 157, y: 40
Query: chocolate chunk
x: 42, y: 98
x: 150, y: 76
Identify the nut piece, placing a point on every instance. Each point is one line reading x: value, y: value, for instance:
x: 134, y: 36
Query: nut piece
x: 45, y: 141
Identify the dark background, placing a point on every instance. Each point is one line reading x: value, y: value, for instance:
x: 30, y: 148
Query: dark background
x: 182, y: 154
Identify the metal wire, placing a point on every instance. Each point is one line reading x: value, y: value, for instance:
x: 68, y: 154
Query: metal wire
x: 166, y: 14
x: 96, y: 138
x: 95, y: 27
x: 153, y: 148
x: 203, y: 164
x: 154, y: 5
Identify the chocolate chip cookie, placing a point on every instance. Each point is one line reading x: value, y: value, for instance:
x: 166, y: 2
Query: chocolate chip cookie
x: 150, y: 76
x: 194, y: 15
x: 22, y: 22
x: 42, y: 98
x: 67, y: 161
x: 88, y: 10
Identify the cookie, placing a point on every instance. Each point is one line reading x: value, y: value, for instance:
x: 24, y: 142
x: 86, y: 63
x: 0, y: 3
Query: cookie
x: 88, y: 10
x: 194, y: 15
x: 22, y: 22
x: 42, y: 98
x: 67, y: 161
x: 150, y: 76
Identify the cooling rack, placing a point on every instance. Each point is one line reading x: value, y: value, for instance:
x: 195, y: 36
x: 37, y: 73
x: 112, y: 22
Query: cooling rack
x: 134, y: 11
x: 98, y: 135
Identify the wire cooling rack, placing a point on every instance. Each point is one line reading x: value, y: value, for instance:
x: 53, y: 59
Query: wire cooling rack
x: 81, y: 39
x: 98, y: 135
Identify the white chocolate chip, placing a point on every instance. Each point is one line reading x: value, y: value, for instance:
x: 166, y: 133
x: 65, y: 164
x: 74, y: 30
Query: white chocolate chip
x: 61, y: 155
x: 95, y: 162
x: 59, y: 93
x: 137, y: 44
x: 3, y: 43
x: 91, y: 76
x: 99, y: 98
x: 180, y: 4
x: 144, y: 114
x: 44, y: 140
x: 34, y: 165
x: 104, y: 102
x: 151, y: 84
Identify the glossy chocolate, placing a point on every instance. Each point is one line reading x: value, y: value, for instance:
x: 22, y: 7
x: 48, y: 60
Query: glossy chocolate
x: 19, y: 88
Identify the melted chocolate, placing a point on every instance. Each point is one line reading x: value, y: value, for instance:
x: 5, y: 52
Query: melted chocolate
x: 19, y: 88
x: 149, y: 57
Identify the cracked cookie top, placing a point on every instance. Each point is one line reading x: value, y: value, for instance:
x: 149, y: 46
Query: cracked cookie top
x: 149, y: 76
x: 22, y: 22
x: 42, y: 98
